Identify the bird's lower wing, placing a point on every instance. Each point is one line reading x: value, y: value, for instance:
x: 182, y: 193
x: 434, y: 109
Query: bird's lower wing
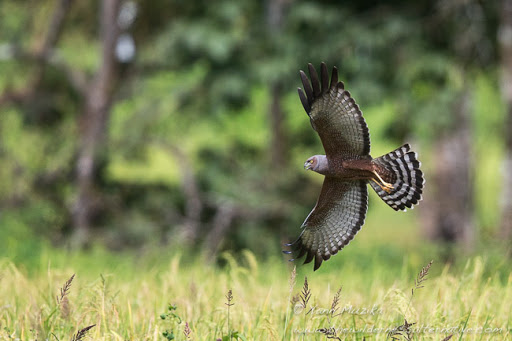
x: 335, y: 220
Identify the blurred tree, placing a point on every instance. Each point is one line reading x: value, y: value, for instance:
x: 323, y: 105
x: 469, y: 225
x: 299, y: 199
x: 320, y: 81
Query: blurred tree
x: 462, y: 27
x: 452, y: 200
x: 278, y: 150
x: 93, y: 122
x: 97, y: 97
x: 505, y: 45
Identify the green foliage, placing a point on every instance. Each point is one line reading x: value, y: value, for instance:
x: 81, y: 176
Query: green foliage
x: 17, y: 240
x: 488, y: 117
x: 174, y: 320
x: 196, y: 102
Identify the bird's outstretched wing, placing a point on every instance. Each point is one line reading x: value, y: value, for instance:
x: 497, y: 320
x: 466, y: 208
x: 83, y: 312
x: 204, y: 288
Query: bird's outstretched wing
x: 334, y: 114
x: 337, y: 217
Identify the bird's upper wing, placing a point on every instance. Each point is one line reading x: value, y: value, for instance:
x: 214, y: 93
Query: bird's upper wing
x: 337, y: 217
x: 334, y: 114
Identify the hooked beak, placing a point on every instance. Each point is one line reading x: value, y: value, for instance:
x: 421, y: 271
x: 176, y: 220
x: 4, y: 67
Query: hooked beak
x: 307, y: 165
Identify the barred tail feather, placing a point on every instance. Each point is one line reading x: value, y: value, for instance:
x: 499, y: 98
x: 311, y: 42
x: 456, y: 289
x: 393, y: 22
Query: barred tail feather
x: 408, y: 178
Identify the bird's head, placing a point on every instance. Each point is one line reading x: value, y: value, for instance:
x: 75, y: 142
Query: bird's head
x: 317, y: 163
x: 311, y: 163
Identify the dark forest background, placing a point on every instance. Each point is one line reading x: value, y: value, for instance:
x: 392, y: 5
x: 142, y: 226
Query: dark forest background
x: 132, y: 124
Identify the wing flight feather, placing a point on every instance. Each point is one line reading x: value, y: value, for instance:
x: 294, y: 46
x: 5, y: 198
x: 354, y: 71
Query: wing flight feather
x: 334, y: 114
x: 332, y: 224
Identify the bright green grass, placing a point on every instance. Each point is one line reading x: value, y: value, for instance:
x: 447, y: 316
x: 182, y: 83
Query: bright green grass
x: 124, y: 295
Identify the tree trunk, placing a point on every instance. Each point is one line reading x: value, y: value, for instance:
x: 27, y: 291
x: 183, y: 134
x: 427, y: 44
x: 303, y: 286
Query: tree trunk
x: 192, y: 193
x: 51, y: 38
x: 92, y: 125
x: 222, y: 221
x: 449, y: 204
x: 505, y: 44
x: 278, y: 149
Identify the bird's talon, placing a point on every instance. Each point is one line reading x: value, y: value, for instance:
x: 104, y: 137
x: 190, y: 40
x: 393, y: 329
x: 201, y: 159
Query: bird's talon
x: 386, y: 186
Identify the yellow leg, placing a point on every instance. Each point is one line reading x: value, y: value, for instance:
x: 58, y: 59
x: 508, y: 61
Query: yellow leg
x: 386, y: 186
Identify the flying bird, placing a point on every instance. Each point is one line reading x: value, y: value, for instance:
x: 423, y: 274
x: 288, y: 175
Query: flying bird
x: 348, y: 167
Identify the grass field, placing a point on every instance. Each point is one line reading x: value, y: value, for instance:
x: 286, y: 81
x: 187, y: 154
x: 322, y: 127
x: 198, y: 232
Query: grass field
x: 165, y: 295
